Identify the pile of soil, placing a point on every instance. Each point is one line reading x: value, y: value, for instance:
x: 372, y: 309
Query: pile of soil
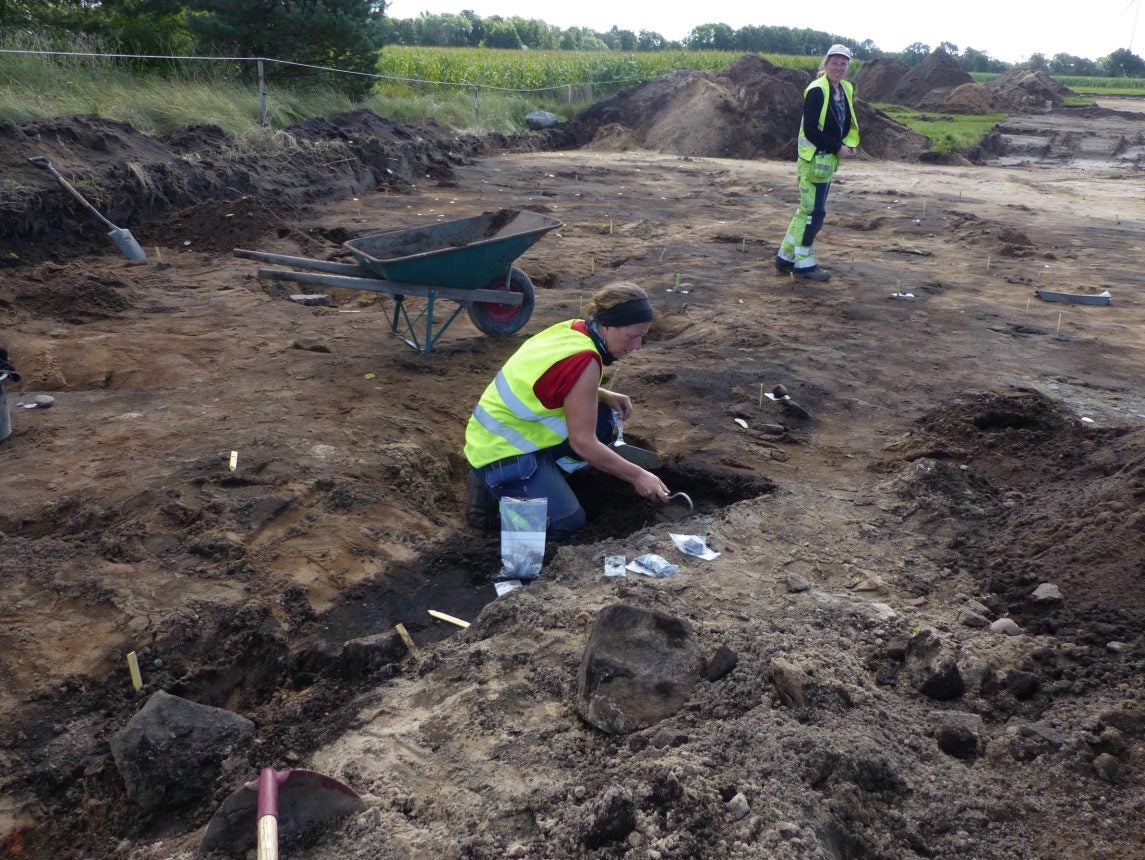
x: 938, y: 83
x: 923, y: 635
x: 135, y: 180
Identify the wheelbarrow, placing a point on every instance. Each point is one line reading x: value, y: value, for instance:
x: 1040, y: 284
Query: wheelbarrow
x: 468, y: 261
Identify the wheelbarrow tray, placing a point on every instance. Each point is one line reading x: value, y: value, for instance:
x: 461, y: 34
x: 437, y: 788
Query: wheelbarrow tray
x: 467, y: 253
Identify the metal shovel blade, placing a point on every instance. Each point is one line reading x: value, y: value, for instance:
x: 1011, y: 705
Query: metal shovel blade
x: 127, y: 244
x: 305, y: 799
x: 119, y: 236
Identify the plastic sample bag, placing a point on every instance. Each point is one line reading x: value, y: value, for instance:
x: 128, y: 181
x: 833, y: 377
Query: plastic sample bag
x: 523, y: 524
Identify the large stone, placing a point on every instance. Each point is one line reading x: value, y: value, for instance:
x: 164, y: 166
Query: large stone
x: 539, y: 119
x: 639, y: 666
x: 172, y: 751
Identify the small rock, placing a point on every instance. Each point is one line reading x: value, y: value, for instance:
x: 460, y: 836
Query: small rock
x: 310, y: 345
x: 44, y: 401
x: 516, y: 850
x: 1050, y: 735
x: 738, y: 807
x: 1107, y: 767
x: 1022, y: 684
x: 313, y: 299
x: 977, y: 606
x: 1117, y: 647
x: 722, y: 662
x: 795, y: 583
x: 1047, y: 592
x: 1006, y: 626
x: 870, y: 583
x: 789, y: 681
x: 787, y: 829
x: 970, y: 618
x: 958, y: 741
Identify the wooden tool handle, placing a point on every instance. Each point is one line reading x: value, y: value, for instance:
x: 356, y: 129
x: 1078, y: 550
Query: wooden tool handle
x: 268, y: 838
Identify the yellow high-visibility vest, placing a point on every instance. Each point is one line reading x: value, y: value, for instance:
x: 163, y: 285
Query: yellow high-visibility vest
x: 806, y: 147
x: 509, y: 419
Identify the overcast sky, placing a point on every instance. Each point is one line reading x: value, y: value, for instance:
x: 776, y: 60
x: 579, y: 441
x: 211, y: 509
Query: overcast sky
x: 1007, y: 30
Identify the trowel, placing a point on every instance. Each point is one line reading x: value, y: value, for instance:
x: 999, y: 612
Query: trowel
x: 642, y: 457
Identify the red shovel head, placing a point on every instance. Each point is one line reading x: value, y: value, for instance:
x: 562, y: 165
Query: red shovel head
x: 304, y: 799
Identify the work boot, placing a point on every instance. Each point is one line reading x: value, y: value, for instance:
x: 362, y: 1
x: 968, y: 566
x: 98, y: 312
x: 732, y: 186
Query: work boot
x: 482, y: 511
x: 814, y: 273
x: 784, y: 266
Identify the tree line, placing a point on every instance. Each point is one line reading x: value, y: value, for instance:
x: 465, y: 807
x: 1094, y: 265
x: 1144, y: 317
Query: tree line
x: 347, y: 34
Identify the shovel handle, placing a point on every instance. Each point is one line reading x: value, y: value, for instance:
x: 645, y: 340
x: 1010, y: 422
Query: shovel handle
x: 41, y: 161
x: 268, y: 780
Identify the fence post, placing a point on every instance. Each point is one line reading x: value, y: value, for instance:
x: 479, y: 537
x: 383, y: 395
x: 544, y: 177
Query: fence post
x: 477, y: 102
x: 570, y: 94
x: 261, y: 95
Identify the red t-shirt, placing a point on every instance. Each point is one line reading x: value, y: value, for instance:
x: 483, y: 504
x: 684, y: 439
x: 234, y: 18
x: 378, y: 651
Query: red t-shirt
x: 556, y: 382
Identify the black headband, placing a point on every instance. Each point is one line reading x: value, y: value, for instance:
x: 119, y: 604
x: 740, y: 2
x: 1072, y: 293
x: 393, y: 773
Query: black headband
x: 631, y: 312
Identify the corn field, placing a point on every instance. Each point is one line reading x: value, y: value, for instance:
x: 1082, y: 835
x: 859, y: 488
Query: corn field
x: 539, y: 70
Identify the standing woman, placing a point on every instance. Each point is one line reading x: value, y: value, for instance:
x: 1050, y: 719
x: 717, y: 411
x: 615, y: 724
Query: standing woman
x: 830, y: 131
x: 545, y: 414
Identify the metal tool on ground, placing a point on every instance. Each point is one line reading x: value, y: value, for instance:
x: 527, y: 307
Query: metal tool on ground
x: 120, y: 236
x: 677, y: 508
x: 642, y: 457
x: 780, y: 395
x: 279, y: 805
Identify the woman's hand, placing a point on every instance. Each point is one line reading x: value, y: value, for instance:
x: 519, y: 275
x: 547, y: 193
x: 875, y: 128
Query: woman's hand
x: 648, y: 486
x: 621, y: 403
x: 849, y: 151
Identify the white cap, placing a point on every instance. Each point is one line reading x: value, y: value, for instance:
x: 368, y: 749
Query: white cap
x: 843, y: 50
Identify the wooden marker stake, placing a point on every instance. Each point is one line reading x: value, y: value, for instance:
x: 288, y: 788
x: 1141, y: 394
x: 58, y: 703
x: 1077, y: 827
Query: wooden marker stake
x: 133, y: 668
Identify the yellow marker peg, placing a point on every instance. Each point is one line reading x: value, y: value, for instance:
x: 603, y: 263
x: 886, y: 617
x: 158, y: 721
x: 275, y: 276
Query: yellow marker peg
x: 408, y: 640
x: 442, y: 616
x: 133, y: 668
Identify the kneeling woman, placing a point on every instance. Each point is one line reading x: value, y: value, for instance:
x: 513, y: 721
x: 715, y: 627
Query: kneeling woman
x: 545, y: 414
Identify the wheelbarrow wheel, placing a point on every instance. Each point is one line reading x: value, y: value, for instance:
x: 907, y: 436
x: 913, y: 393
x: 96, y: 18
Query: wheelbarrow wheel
x: 500, y: 320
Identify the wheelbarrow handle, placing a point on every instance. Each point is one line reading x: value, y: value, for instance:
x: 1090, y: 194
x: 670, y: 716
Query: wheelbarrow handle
x: 46, y: 164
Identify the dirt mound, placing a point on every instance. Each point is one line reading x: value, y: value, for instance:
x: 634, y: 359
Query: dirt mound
x: 137, y: 180
x: 965, y: 99
x: 752, y: 110
x: 1016, y: 451
x: 892, y: 81
x: 1028, y: 90
x: 939, y: 84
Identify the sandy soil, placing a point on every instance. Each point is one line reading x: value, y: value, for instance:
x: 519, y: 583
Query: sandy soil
x: 966, y: 443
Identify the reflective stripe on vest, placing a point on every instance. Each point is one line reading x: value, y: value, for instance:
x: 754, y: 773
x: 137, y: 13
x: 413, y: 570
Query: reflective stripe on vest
x: 806, y: 147
x: 509, y: 419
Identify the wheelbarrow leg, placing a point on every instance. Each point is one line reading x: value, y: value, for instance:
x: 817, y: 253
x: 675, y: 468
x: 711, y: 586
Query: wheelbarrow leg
x: 429, y: 322
x: 397, y: 312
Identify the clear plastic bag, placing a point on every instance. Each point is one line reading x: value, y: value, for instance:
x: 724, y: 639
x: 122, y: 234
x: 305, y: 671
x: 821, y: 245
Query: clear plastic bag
x: 651, y: 564
x: 523, y: 523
